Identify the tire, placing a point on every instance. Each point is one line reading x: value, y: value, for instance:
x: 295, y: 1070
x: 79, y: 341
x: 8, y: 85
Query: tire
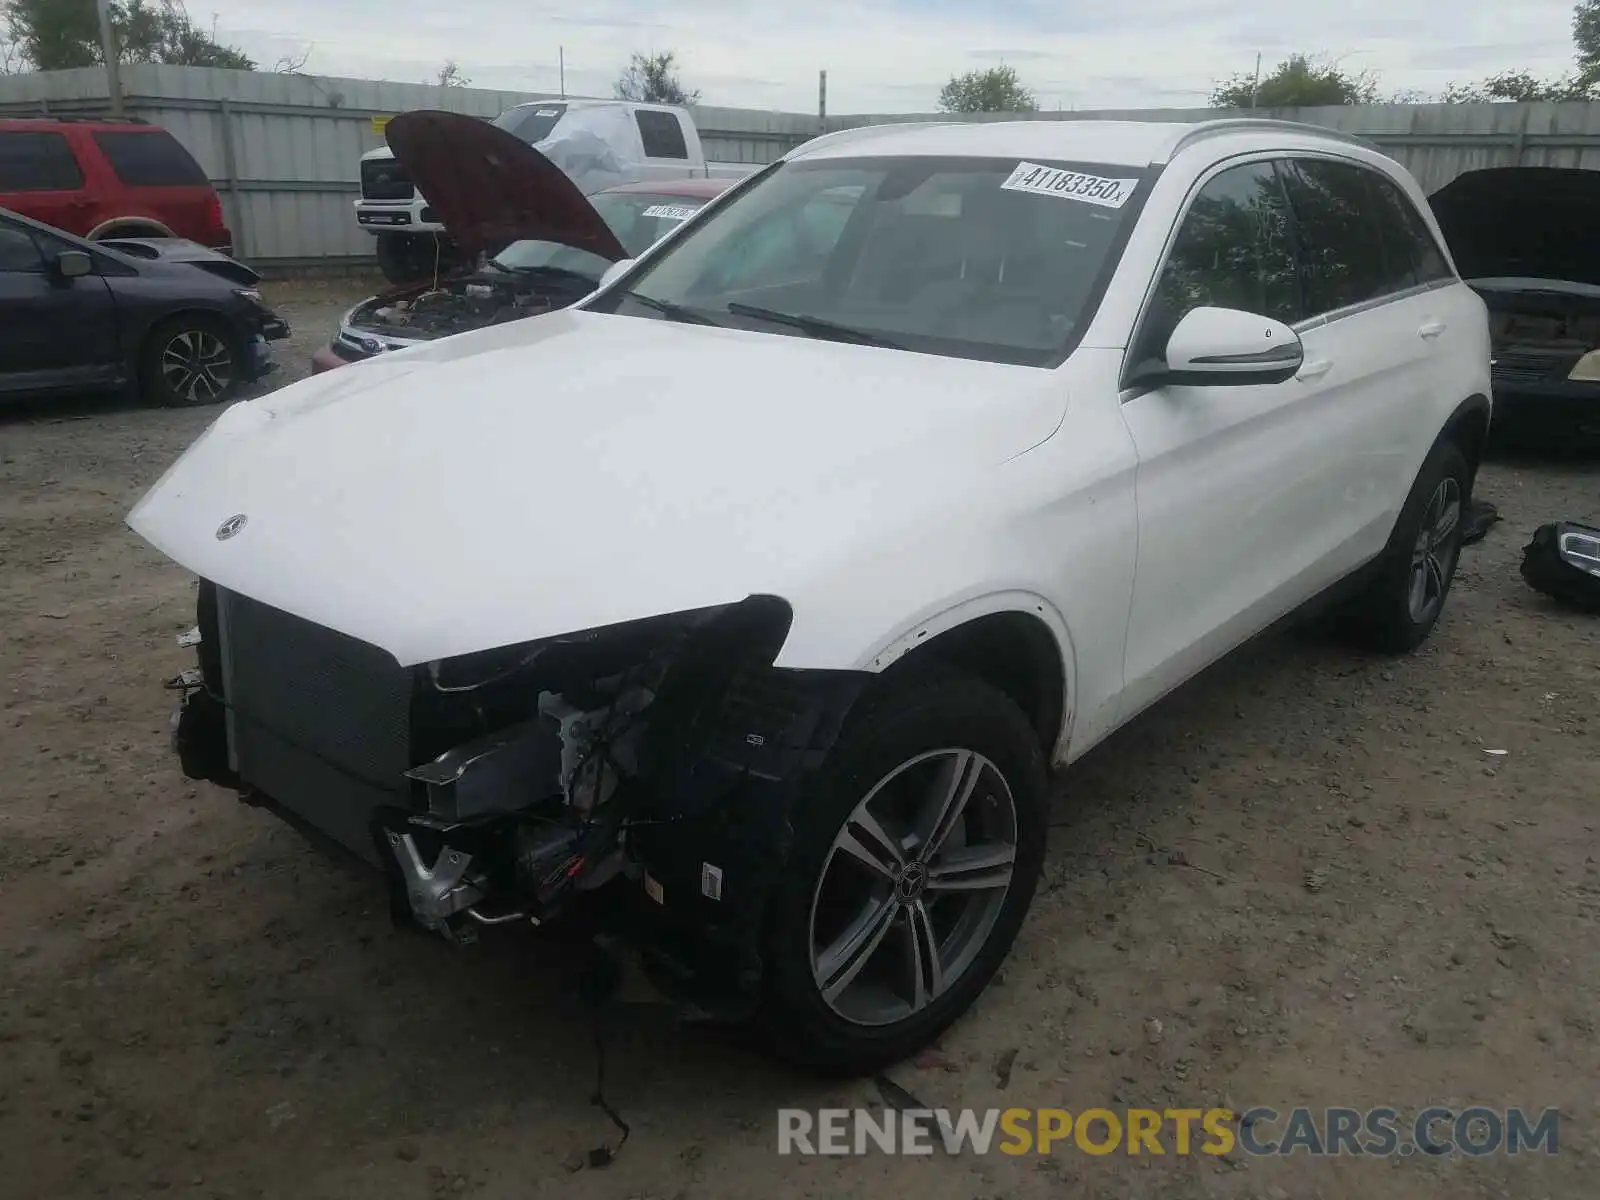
x: 911, y: 738
x: 1398, y: 610
x: 191, y: 359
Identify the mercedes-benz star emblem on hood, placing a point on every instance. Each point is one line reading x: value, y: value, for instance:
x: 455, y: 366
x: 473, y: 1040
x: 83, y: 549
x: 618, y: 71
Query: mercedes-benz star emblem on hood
x: 231, y: 526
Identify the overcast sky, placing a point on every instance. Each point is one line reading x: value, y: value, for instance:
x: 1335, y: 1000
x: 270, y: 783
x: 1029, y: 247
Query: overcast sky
x: 893, y: 55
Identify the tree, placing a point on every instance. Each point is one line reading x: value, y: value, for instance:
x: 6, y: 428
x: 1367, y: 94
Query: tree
x: 653, y: 79
x: 994, y: 90
x: 1520, y: 87
x: 1586, y: 38
x: 54, y: 34
x: 1299, y: 81
x: 450, y: 75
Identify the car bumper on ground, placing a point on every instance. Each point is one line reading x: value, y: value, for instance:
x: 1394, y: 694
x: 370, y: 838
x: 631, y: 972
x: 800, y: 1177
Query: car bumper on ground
x: 1555, y: 406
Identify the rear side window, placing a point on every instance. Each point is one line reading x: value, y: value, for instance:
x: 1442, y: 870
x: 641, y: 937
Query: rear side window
x: 1341, y: 236
x: 17, y: 251
x: 152, y: 159
x: 37, y: 162
x: 662, y: 135
x: 1235, y: 249
x: 1411, y: 255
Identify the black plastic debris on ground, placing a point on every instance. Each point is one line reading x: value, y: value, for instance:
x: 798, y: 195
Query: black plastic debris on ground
x: 1476, y: 521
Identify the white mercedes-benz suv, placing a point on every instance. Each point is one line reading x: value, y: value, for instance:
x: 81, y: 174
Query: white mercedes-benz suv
x: 746, y: 606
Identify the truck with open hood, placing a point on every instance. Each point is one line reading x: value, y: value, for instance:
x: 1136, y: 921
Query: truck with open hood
x: 599, y: 144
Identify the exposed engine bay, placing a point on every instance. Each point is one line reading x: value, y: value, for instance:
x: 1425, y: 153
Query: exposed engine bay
x: 487, y: 296
x: 643, y: 771
x: 1542, y: 330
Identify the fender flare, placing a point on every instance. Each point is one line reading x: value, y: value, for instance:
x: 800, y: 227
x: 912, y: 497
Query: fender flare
x: 1030, y: 604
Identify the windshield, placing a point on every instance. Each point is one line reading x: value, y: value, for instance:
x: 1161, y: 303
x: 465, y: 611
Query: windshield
x: 530, y: 122
x: 973, y: 257
x: 637, y: 218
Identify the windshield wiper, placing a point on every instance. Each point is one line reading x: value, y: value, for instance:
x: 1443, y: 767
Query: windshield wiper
x: 673, y: 312
x: 818, y: 327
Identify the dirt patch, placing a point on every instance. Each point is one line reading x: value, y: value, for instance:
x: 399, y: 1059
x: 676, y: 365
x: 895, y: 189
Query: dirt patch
x: 1301, y: 880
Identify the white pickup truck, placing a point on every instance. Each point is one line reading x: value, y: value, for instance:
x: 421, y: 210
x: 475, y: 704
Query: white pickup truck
x: 598, y: 143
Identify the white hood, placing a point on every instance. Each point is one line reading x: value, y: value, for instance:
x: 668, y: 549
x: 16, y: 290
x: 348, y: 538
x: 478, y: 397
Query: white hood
x: 575, y: 470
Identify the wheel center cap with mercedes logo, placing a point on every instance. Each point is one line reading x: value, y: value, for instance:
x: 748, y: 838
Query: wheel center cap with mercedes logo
x: 231, y: 526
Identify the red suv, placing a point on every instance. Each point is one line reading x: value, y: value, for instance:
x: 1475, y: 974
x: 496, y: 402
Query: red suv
x: 100, y: 178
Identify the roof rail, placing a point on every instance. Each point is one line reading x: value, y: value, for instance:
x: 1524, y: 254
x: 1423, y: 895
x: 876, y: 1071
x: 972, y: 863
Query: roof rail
x: 1222, y: 125
x: 862, y: 132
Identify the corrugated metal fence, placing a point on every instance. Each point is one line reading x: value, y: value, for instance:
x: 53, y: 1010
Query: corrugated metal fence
x: 283, y: 149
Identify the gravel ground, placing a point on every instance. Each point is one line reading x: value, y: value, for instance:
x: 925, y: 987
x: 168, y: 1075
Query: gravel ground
x: 1301, y: 880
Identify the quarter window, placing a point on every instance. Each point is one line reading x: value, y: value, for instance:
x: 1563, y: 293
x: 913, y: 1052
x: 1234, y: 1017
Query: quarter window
x: 37, y: 162
x: 150, y: 159
x: 1235, y: 249
x: 1410, y: 252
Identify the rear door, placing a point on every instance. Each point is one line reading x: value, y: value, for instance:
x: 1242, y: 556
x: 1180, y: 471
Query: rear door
x: 162, y: 180
x: 1381, y: 306
x: 40, y: 178
x: 54, y: 332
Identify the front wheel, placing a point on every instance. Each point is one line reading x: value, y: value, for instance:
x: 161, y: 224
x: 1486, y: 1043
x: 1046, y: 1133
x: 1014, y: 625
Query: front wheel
x: 190, y: 360
x: 915, y: 861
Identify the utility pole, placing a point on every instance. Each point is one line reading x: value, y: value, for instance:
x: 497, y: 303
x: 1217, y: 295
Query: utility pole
x: 108, y: 47
x: 822, y: 95
x: 563, y: 52
x: 1255, y: 91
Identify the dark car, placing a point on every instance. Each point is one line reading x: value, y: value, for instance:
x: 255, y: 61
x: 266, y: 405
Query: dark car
x: 543, y: 243
x: 1524, y: 239
x: 102, y: 178
x: 169, y: 317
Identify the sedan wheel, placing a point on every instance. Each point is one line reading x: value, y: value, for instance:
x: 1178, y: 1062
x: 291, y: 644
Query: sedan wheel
x: 912, y: 886
x: 197, y: 367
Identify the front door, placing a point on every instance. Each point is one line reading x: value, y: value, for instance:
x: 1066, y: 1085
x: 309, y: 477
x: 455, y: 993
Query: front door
x: 55, y: 333
x: 1239, y: 485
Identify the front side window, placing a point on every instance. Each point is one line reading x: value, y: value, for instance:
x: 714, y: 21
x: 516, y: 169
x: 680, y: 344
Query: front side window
x: 18, y: 251
x: 980, y: 258
x: 1234, y: 249
x: 152, y: 159
x: 37, y: 162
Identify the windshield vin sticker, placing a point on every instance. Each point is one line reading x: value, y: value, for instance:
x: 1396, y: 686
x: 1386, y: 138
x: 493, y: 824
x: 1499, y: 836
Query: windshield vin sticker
x: 670, y: 212
x: 1073, y: 185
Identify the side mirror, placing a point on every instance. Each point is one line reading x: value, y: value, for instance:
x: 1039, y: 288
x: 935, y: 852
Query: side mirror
x: 73, y: 264
x: 1225, y: 345
x: 616, y: 271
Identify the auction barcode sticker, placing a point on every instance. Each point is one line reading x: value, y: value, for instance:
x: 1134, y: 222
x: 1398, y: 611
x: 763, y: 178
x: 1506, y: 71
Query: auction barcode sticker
x: 670, y: 212
x: 1074, y: 185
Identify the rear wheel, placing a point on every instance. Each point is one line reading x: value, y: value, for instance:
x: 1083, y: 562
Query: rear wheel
x: 915, y: 861
x: 1406, y: 597
x: 190, y: 360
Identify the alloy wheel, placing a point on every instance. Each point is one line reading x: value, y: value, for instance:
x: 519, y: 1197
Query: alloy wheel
x: 1433, y: 557
x: 912, y: 886
x: 196, y: 366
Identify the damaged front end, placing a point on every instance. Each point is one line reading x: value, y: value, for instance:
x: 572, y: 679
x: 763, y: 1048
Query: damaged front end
x: 411, y: 315
x: 645, y: 772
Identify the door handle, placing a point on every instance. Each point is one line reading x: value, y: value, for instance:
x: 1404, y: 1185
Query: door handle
x: 1431, y: 329
x: 1314, y: 370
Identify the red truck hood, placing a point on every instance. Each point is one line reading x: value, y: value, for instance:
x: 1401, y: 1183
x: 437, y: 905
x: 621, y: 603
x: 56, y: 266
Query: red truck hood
x: 491, y: 189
